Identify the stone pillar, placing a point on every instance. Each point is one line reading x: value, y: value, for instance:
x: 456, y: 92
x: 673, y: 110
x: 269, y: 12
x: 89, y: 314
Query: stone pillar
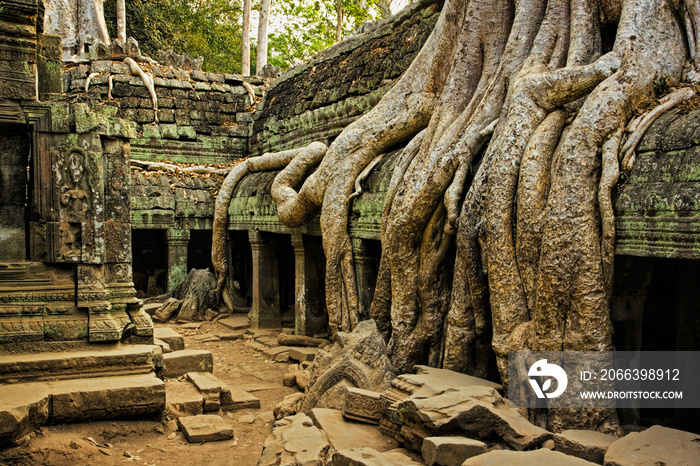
x: 366, y: 268
x: 177, y: 241
x: 265, y: 309
x: 310, y: 315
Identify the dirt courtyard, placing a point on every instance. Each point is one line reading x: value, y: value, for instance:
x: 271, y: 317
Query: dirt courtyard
x: 153, y: 441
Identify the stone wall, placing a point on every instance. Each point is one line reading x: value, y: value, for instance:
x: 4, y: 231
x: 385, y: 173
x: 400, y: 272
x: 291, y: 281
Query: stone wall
x: 202, y: 117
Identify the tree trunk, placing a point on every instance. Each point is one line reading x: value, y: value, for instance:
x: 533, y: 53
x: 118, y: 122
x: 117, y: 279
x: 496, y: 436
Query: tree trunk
x: 339, y: 19
x: 121, y: 21
x: 245, y: 39
x: 261, y: 55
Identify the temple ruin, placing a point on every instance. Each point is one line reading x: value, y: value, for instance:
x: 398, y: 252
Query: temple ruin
x: 87, y: 235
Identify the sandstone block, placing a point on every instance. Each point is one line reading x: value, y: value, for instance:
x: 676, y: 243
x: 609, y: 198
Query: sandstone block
x: 363, y: 405
x: 235, y: 398
x: 525, y: 458
x: 210, y: 387
x: 365, y: 456
x: 23, y: 408
x: 181, y: 362
x: 183, y: 398
x: 106, y: 397
x: 303, y: 354
x: 451, y: 451
x: 170, y: 336
x: 295, y: 440
x: 587, y: 444
x: 345, y: 434
x: 656, y: 445
x: 205, y: 428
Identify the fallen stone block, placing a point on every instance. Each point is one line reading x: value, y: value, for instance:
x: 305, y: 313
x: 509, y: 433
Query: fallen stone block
x: 267, y: 340
x: 272, y: 353
x: 290, y: 405
x: 451, y: 451
x: 179, y: 363
x: 229, y: 336
x: 300, y: 340
x: 166, y: 310
x: 345, y: 434
x: 163, y: 345
x: 234, y: 398
x: 170, y: 336
x: 365, y: 456
x: 256, y: 346
x: 363, y: 405
x: 295, y: 440
x: 206, y: 337
x: 587, y: 444
x: 151, y: 308
x: 525, y: 458
x: 99, y: 398
x: 300, y: 354
x: 205, y: 428
x: 656, y: 445
x: 191, y: 326
x: 23, y: 408
x: 210, y: 387
x: 303, y: 379
x: 183, y: 398
x: 235, y: 322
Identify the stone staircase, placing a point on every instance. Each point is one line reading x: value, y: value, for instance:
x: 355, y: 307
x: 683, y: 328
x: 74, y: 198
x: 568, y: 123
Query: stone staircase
x: 112, y: 381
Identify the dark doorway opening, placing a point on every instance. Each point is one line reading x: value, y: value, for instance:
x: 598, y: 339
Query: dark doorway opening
x: 199, y: 250
x: 150, y: 262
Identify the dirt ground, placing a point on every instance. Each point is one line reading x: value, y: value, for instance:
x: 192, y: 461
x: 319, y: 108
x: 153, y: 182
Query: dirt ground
x: 153, y: 441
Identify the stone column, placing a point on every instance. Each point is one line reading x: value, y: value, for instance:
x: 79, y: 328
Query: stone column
x: 265, y: 309
x: 310, y: 315
x: 177, y: 241
x: 366, y: 267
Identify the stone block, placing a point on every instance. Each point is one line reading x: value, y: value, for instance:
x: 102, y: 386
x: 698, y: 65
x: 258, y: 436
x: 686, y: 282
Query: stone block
x: 210, y: 387
x: 183, y: 398
x: 163, y: 345
x: 451, y: 451
x: 657, y: 445
x: 272, y: 353
x: 363, y: 405
x: 181, y: 362
x: 169, y: 132
x: 23, y: 408
x: 150, y: 308
x: 587, y: 444
x: 267, y: 340
x: 344, y: 434
x: 303, y: 354
x: 525, y: 458
x: 365, y: 456
x: 234, y: 398
x: 187, y: 133
x: 205, y: 428
x: 236, y: 322
x: 106, y: 397
x: 170, y: 336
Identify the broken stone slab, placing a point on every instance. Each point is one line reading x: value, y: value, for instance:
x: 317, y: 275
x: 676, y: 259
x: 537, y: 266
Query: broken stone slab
x: 182, y: 398
x: 656, y: 445
x: 235, y: 322
x: 256, y: 346
x: 229, y: 336
x: 451, y: 451
x: 151, y: 308
x: 100, y: 398
x: 205, y: 428
x: 179, y: 363
x: 366, y: 456
x: 163, y: 345
x: 439, y: 380
x: 171, y: 337
x: 23, y: 408
x: 113, y: 360
x: 295, y: 440
x: 267, y: 340
x: 272, y: 353
x: 191, y: 326
x: 300, y: 354
x: 300, y: 340
x: 476, y: 411
x: 290, y: 405
x: 363, y: 405
x: 587, y: 444
x: 206, y: 337
x: 345, y: 434
x: 235, y: 398
x: 166, y: 310
x: 210, y: 387
x: 525, y: 458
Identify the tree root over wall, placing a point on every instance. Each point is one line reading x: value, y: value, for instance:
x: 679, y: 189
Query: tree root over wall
x: 515, y: 115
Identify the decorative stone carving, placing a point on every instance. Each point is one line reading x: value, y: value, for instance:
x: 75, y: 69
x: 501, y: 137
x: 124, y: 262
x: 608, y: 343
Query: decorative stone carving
x: 363, y: 405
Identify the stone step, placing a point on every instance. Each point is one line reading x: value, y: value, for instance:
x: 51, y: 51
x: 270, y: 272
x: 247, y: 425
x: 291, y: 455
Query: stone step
x: 117, y: 359
x: 100, y: 398
x: 23, y: 408
x: 179, y: 363
x: 300, y: 354
x: 235, y: 322
x: 169, y: 336
x: 205, y: 428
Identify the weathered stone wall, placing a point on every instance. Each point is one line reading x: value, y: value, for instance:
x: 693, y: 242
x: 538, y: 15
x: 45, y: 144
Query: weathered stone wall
x: 658, y: 207
x: 317, y: 100
x: 202, y: 117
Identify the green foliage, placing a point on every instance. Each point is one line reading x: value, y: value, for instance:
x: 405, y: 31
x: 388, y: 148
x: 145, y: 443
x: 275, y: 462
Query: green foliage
x: 207, y: 28
x: 309, y: 26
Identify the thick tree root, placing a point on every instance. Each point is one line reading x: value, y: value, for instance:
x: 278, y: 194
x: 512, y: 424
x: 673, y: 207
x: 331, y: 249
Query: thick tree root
x: 147, y: 79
